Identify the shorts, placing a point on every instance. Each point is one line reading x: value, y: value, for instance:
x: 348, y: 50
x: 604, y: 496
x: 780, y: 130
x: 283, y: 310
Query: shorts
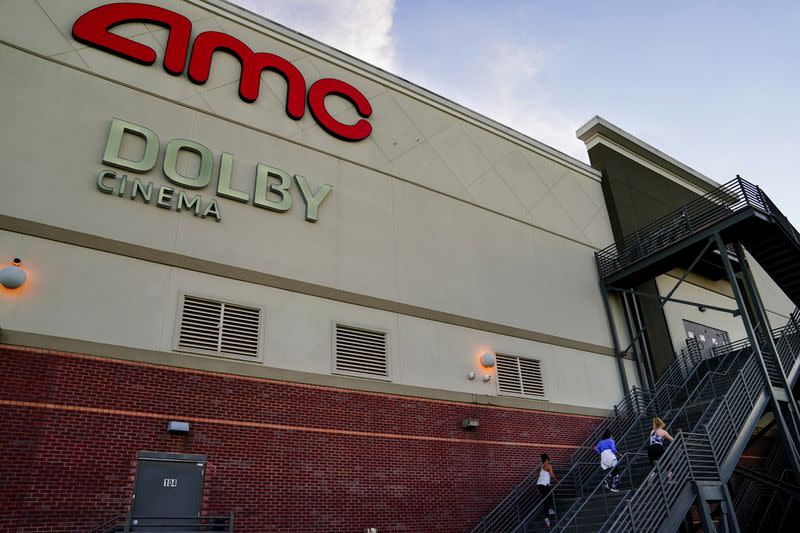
x: 654, y: 453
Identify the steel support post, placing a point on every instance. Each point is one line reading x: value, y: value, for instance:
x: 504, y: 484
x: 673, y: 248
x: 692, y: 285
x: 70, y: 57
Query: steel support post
x: 786, y: 432
x: 689, y: 270
x: 623, y: 379
x: 648, y: 358
x: 706, y: 521
x: 728, y: 512
x: 762, y: 316
x: 637, y: 356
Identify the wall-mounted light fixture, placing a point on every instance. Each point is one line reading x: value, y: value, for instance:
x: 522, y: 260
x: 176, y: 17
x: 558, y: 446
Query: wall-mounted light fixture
x: 471, y: 375
x: 13, y: 277
x: 175, y: 426
x: 488, y: 360
x: 487, y: 378
x: 702, y: 308
x: 470, y: 424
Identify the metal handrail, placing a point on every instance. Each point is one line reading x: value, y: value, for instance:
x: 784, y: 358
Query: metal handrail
x: 711, y: 208
x: 629, y: 411
x: 709, y: 380
x: 130, y: 523
x: 780, y: 218
x: 653, y: 408
x: 111, y: 522
x: 691, y: 401
x: 625, y: 457
x: 723, y: 427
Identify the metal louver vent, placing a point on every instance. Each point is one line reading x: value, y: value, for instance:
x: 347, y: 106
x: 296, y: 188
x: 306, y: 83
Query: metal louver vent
x: 212, y: 327
x: 360, y: 351
x: 520, y: 377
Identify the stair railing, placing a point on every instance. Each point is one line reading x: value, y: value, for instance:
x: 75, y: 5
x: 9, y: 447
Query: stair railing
x: 748, y: 499
x: 779, y: 217
x: 642, y: 512
x: 154, y: 524
x: 639, y: 459
x: 585, y: 463
x: 524, y: 499
x: 109, y: 524
x: 713, y: 207
x: 603, y: 481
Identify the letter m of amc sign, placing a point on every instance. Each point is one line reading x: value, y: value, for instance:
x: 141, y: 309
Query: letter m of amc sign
x: 92, y: 28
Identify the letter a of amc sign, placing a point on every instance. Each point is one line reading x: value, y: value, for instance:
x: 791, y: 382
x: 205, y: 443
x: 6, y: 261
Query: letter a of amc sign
x: 92, y: 28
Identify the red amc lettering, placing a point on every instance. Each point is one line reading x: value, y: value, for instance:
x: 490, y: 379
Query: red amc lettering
x: 252, y: 65
x: 316, y: 103
x: 93, y: 28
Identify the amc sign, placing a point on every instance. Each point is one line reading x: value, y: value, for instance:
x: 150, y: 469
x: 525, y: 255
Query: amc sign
x: 92, y: 28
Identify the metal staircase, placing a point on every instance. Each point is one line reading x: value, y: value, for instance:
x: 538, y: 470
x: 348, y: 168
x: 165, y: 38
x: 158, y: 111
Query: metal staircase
x: 694, y: 415
x: 760, y: 502
x: 523, y: 506
x: 711, y: 404
x: 738, y: 211
x: 696, y: 410
x: 715, y: 229
x: 701, y: 462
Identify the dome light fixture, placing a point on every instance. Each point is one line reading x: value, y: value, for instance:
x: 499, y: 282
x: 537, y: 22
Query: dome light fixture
x: 488, y: 360
x: 13, y: 277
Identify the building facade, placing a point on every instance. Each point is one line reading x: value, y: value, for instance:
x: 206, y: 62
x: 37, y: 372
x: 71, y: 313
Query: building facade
x: 322, y: 269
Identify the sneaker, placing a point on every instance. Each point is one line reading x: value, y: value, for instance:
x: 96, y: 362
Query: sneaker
x: 546, y: 522
x: 605, y: 484
x: 551, y: 511
x: 614, y: 488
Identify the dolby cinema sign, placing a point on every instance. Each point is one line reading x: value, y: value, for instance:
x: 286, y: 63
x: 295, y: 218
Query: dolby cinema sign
x: 270, y: 187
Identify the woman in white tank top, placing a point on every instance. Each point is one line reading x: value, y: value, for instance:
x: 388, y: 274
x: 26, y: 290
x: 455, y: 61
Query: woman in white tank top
x: 546, y: 475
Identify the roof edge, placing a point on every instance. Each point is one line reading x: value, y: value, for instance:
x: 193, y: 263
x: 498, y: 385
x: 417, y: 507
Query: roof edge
x: 597, y: 126
x: 362, y: 68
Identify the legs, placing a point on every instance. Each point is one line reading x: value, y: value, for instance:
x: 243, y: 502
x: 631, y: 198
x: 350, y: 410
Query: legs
x: 548, y: 508
x: 614, y: 474
x: 547, y: 495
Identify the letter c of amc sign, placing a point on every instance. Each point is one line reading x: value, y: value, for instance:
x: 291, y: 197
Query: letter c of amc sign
x: 92, y: 28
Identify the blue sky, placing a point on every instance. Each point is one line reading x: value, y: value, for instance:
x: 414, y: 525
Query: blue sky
x: 714, y: 84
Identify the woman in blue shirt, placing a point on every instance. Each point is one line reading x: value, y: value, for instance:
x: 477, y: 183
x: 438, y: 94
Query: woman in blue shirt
x: 609, y: 457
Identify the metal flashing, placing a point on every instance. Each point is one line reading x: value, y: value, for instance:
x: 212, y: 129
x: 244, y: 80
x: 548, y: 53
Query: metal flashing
x: 362, y: 68
x: 599, y: 130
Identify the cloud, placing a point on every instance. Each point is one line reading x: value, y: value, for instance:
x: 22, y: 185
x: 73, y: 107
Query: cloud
x: 504, y: 82
x: 510, y: 91
x: 518, y: 100
x: 362, y: 28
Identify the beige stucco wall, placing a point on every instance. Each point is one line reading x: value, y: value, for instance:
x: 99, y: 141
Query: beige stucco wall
x: 718, y: 294
x: 78, y: 293
x: 438, y: 208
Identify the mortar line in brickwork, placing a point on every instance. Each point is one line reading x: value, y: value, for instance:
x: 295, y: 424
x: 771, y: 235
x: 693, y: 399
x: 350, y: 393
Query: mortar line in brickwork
x: 278, y: 427
x: 224, y: 375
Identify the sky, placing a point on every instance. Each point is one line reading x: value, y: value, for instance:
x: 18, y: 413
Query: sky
x: 715, y: 84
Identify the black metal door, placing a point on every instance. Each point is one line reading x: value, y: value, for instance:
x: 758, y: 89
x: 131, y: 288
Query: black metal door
x: 169, y: 490
x: 707, y: 337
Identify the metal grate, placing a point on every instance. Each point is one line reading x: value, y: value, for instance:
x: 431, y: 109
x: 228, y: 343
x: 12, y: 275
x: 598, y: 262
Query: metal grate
x: 519, y: 376
x: 360, y: 351
x: 213, y: 327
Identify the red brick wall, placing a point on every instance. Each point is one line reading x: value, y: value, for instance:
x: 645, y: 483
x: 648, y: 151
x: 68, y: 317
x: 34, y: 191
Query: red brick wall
x: 282, y: 456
